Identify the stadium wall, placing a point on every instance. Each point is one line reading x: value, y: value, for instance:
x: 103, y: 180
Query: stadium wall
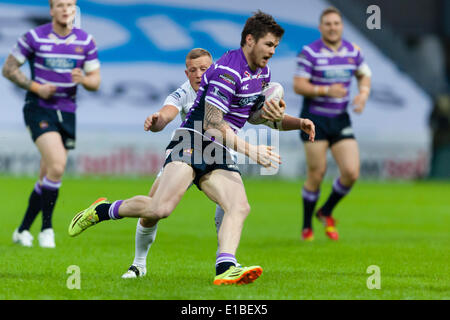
x: 142, y: 45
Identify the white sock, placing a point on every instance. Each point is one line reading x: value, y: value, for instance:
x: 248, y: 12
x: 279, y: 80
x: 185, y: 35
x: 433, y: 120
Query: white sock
x: 218, y: 219
x: 144, y: 239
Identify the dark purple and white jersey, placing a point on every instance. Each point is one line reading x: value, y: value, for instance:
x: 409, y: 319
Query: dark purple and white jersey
x: 232, y: 87
x: 52, y: 59
x: 323, y: 66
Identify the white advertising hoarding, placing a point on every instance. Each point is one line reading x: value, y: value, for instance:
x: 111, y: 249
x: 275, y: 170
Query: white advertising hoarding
x: 142, y: 45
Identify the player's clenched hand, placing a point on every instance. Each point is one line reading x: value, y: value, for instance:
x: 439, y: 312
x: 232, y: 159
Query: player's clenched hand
x: 77, y: 76
x: 151, y: 121
x: 337, y: 90
x: 273, y: 110
x: 360, y: 102
x: 309, y: 127
x: 265, y: 156
x: 46, y: 91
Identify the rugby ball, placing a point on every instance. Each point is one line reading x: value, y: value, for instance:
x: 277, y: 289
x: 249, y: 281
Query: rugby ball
x: 273, y: 90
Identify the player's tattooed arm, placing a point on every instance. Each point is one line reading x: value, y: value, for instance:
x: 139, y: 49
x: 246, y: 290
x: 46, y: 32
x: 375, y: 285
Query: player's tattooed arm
x: 215, y: 125
x: 11, y: 71
x: 214, y: 118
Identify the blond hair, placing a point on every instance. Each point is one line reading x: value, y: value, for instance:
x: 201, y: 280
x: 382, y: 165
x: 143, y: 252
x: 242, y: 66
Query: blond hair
x: 50, y: 2
x: 197, y: 53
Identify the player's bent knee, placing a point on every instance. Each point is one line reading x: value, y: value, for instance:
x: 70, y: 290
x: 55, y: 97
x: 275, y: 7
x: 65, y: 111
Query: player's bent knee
x: 162, y: 211
x: 351, y: 176
x: 56, y: 171
x: 316, y: 174
x: 243, y: 209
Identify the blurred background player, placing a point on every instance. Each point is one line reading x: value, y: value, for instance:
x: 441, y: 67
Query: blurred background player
x: 180, y: 102
x: 323, y: 77
x: 58, y: 53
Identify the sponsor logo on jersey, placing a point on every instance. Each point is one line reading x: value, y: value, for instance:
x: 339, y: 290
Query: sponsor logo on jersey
x: 227, y: 78
x: 60, y: 63
x: 245, y: 87
x: 219, y: 94
x: 339, y: 74
x: 248, y: 100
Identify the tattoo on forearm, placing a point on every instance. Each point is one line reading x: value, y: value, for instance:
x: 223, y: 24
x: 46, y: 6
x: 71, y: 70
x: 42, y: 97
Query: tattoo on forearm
x: 11, y: 71
x: 213, y: 118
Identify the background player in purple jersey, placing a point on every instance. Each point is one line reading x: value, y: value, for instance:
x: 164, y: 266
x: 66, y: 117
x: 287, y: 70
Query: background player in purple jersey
x: 323, y: 77
x: 60, y: 57
x: 227, y: 93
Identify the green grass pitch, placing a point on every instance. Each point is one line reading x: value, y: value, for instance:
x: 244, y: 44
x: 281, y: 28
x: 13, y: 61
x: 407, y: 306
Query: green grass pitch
x: 403, y: 228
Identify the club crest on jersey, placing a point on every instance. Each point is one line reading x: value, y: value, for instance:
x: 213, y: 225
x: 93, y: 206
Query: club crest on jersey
x: 46, y: 47
x: 79, y: 49
x: 43, y: 124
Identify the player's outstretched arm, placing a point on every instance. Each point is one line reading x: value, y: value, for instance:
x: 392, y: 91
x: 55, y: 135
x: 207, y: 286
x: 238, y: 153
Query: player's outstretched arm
x: 90, y: 81
x: 159, y: 120
x: 215, y: 125
x: 11, y: 71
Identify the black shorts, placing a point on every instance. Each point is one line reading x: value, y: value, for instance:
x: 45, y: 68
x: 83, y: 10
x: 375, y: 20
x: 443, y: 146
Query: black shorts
x: 202, y: 156
x: 41, y: 120
x: 332, y: 129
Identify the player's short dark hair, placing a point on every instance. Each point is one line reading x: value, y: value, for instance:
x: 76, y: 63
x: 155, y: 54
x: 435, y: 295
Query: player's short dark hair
x: 197, y: 53
x: 330, y: 10
x: 259, y: 25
